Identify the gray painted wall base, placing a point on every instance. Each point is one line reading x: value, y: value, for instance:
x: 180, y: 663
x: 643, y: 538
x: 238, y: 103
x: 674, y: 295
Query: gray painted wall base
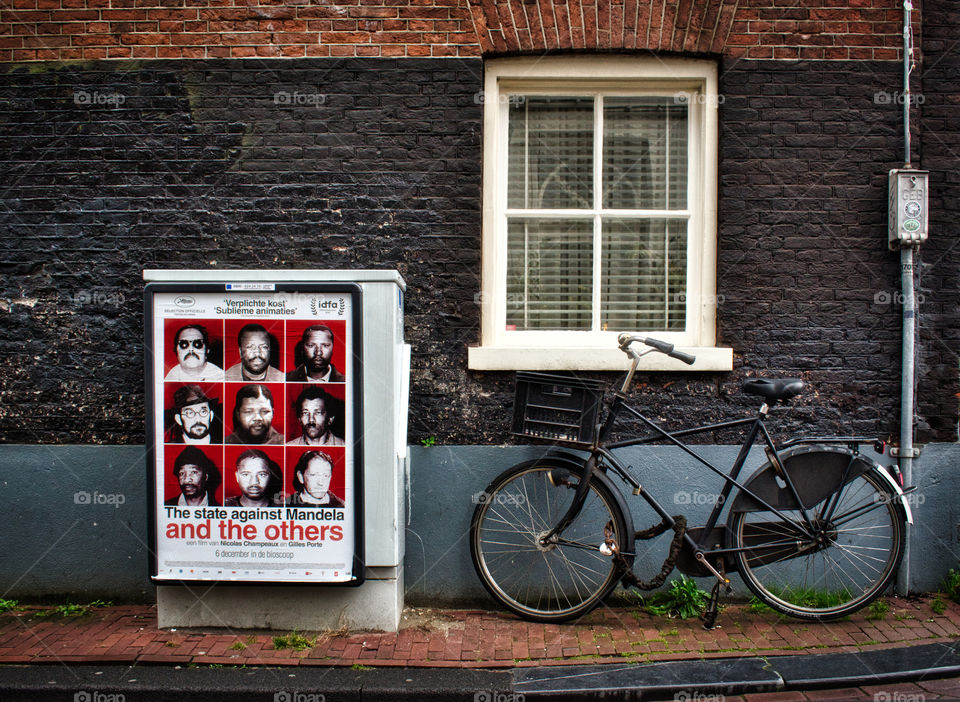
x: 374, y: 606
x: 88, y: 538
x: 446, y: 480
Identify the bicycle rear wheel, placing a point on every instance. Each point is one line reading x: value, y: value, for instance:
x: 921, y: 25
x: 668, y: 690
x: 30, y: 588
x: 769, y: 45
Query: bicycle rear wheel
x: 545, y: 581
x: 846, y: 561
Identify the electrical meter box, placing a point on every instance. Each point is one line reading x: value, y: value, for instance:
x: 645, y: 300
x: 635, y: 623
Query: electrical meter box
x: 908, y: 207
x: 299, y: 377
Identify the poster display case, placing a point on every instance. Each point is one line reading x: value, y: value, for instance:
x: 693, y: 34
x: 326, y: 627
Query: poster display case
x: 255, y: 421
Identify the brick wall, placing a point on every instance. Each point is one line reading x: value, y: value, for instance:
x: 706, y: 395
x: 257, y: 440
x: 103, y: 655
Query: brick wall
x: 170, y: 164
x: 938, y: 275
x: 761, y: 29
x: 803, y: 267
x: 48, y: 30
x: 194, y: 164
x: 113, y: 166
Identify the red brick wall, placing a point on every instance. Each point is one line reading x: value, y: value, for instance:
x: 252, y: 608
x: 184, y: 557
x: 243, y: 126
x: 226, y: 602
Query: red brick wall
x: 48, y: 30
x: 791, y: 29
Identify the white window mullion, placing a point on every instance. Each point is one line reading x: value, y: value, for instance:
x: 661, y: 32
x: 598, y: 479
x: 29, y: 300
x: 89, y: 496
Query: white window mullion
x: 526, y: 154
x: 597, y: 206
x: 666, y: 230
x: 499, y: 302
x: 526, y: 274
x: 526, y: 204
x: 620, y: 214
x: 693, y: 194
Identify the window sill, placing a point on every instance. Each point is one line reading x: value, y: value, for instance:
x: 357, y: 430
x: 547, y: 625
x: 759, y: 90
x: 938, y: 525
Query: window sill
x: 573, y: 359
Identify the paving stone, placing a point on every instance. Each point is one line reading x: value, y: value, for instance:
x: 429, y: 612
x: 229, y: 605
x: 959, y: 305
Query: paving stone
x: 948, y: 687
x: 853, y: 669
x: 730, y: 676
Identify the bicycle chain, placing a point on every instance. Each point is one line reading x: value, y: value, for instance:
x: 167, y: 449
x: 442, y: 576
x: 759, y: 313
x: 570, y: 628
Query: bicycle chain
x: 629, y: 578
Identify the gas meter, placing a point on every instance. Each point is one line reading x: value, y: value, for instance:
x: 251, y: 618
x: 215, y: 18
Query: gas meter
x: 908, y: 207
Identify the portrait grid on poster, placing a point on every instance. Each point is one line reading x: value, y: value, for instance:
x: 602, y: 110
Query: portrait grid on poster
x: 254, y: 463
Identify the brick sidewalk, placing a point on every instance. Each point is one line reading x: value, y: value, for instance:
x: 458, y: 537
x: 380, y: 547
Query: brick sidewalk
x: 460, y: 638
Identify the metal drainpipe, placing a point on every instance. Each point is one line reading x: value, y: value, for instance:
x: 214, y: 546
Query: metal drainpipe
x: 906, y: 398
x: 909, y: 311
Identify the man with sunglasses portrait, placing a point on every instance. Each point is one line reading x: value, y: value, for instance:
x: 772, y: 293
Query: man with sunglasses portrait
x: 192, y: 346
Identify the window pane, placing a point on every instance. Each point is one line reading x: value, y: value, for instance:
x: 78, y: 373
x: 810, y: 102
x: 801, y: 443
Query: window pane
x: 550, y: 160
x: 644, y: 275
x: 549, y: 274
x: 644, y: 153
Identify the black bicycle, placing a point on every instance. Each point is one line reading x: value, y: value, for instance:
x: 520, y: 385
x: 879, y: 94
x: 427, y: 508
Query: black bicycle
x: 817, y: 532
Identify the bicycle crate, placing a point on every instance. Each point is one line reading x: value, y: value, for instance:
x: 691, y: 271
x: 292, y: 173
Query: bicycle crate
x: 556, y: 407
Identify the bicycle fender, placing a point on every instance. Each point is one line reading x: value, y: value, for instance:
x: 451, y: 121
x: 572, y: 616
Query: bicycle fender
x: 901, y: 496
x: 575, y: 464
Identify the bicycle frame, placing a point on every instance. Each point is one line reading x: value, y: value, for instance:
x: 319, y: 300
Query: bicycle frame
x: 602, y: 458
x: 755, y: 427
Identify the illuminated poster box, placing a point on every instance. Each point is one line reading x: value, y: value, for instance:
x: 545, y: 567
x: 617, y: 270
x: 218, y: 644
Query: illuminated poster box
x: 253, y: 423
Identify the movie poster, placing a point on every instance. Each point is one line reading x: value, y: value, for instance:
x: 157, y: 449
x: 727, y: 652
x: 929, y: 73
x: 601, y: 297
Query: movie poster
x: 254, y: 412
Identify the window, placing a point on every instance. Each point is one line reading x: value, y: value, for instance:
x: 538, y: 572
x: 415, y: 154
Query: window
x: 599, y: 211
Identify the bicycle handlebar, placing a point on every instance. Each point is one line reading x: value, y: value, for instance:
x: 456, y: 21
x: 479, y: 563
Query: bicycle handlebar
x: 626, y: 345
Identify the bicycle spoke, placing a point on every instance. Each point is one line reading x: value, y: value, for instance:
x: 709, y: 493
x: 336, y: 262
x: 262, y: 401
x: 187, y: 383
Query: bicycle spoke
x: 577, y: 544
x: 848, y: 562
x: 554, y: 579
x: 853, y: 514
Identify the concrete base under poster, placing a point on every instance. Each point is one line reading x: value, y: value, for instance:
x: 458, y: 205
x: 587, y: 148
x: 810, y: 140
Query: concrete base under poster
x: 374, y: 606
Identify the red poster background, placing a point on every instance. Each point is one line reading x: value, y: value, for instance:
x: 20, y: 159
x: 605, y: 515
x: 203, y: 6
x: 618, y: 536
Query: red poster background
x: 232, y: 453
x: 337, y: 390
x: 230, y: 401
x: 231, y: 352
x: 337, y: 454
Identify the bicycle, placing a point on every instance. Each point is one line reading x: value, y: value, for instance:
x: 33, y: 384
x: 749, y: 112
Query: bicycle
x: 816, y: 532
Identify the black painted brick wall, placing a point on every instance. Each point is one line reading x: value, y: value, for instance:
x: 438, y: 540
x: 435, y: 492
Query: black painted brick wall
x: 803, y: 265
x: 938, y: 272
x: 198, y: 164
x: 170, y: 164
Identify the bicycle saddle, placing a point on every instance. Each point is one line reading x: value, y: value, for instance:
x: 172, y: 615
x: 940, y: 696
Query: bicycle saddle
x: 773, y: 389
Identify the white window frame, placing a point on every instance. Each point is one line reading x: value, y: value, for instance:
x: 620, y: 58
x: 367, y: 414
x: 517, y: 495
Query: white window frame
x: 696, y: 82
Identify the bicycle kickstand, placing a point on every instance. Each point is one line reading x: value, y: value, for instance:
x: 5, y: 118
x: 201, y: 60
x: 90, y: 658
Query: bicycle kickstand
x: 710, y: 614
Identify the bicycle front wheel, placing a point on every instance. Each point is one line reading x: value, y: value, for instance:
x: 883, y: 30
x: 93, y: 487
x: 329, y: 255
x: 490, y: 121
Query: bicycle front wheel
x: 545, y: 580
x: 845, y: 561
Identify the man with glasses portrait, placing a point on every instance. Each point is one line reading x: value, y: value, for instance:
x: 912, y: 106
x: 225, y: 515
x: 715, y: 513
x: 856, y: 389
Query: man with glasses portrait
x: 192, y: 346
x: 194, y: 417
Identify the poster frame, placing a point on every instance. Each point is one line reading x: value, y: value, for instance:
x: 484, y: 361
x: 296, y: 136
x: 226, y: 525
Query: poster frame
x: 151, y: 358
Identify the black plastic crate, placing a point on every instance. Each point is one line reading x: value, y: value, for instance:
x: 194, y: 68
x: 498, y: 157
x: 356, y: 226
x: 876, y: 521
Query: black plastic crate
x: 556, y: 407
